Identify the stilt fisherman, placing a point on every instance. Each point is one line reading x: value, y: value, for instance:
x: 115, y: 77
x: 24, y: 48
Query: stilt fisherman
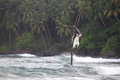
x: 75, y: 37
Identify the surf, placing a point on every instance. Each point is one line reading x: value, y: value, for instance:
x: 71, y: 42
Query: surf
x: 31, y: 67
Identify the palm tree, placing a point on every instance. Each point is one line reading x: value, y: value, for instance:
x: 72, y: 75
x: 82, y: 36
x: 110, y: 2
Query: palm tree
x: 26, y: 10
x: 112, y: 9
x: 84, y: 8
x: 37, y: 23
x: 38, y: 19
x: 98, y: 11
x: 33, y: 16
x: 66, y: 8
x: 63, y: 29
x: 116, y: 2
x: 63, y: 19
x: 11, y: 24
x: 10, y: 16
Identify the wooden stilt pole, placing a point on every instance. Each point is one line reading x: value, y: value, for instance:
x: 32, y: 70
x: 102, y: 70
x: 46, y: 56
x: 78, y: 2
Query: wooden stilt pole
x: 72, y: 48
x: 72, y: 55
x: 76, y: 24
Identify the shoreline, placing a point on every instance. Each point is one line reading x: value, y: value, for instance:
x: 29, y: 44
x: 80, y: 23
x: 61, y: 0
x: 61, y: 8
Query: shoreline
x: 47, y: 53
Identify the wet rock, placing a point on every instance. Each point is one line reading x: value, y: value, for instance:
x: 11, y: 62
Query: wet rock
x: 111, y: 54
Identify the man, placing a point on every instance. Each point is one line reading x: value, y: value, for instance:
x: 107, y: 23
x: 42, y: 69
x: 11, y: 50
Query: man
x: 75, y: 37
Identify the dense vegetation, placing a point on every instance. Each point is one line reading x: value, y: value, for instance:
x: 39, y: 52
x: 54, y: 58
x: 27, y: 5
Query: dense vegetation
x: 38, y: 25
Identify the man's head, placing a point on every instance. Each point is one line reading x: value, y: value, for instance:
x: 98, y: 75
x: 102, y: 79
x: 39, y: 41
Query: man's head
x: 73, y: 26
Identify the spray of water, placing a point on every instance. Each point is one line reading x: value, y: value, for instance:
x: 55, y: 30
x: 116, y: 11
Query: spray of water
x: 31, y: 67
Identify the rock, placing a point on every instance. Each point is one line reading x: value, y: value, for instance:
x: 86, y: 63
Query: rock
x: 111, y: 54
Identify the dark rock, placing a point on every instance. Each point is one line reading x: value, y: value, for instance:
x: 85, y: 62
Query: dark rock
x: 91, y: 53
x: 82, y: 52
x: 45, y: 53
x: 118, y: 56
x: 111, y: 54
x: 4, y: 53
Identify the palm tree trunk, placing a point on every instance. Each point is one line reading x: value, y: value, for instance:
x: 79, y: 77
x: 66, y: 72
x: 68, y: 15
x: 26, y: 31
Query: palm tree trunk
x: 49, y: 34
x: 43, y: 40
x: 117, y: 18
x: 24, y: 27
x: 103, y: 23
x: 88, y: 18
x: 111, y: 21
x: 46, y: 35
x: 16, y: 32
x: 9, y: 37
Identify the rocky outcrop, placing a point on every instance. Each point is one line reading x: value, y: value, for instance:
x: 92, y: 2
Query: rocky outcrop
x: 112, y: 54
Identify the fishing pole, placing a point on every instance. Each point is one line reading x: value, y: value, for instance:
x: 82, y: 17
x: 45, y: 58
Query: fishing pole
x: 57, y: 21
x: 76, y: 24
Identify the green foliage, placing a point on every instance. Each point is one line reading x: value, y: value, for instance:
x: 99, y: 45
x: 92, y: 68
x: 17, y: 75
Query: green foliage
x: 64, y: 28
x: 112, y: 9
x: 25, y: 41
x: 89, y: 39
x: 114, y: 29
x: 41, y: 17
x: 111, y: 44
x: 4, y: 48
x: 107, y: 39
x: 60, y: 47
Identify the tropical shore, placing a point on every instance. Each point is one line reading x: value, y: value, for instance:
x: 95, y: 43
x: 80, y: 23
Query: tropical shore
x: 83, y: 53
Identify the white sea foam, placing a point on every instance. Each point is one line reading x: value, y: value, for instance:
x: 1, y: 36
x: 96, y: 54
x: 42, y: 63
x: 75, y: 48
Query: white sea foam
x: 90, y: 59
x: 49, y: 78
x: 31, y: 67
x: 26, y: 55
x: 106, y: 70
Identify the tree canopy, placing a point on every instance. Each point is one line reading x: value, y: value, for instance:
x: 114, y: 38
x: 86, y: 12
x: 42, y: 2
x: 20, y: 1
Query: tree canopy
x: 50, y: 22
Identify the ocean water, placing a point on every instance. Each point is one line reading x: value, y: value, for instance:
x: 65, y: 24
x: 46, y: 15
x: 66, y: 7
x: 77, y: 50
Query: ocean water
x: 30, y: 67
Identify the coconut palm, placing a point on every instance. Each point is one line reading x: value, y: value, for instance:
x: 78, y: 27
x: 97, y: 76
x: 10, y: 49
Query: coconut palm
x: 10, y: 17
x: 11, y: 24
x: 26, y: 10
x: 66, y: 8
x: 64, y: 17
x: 116, y: 2
x: 99, y: 11
x: 112, y: 9
x: 84, y: 9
